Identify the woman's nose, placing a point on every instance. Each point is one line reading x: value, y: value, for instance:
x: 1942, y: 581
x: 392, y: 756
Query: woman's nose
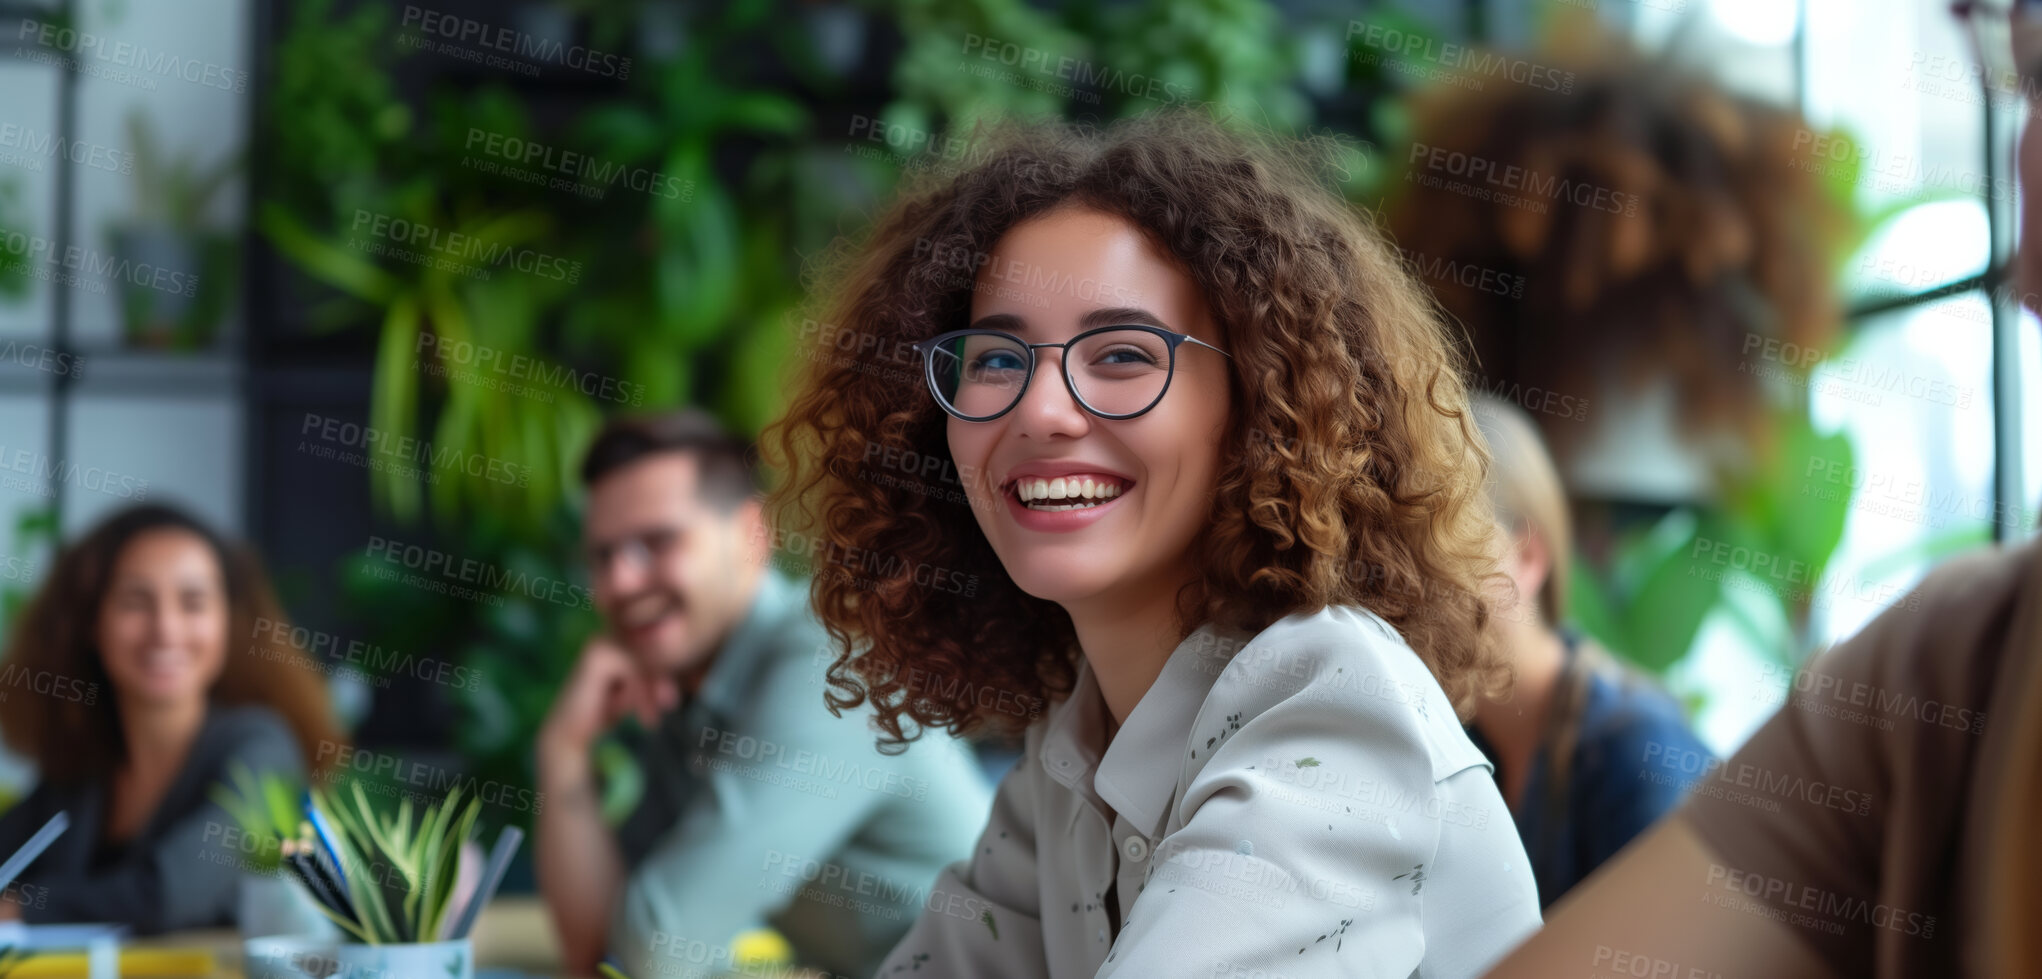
x: 1048, y: 407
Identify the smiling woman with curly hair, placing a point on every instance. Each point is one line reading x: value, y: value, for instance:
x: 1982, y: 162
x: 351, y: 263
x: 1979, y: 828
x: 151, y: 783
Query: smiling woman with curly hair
x: 1146, y: 424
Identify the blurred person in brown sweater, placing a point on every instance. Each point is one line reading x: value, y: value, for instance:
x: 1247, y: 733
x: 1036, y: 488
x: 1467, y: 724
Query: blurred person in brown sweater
x: 1933, y: 712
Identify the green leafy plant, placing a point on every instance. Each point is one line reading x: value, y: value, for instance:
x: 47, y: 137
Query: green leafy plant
x: 1661, y: 583
x: 167, y: 229
x: 266, y: 809
x: 32, y: 527
x: 399, y: 870
x: 14, y: 271
x: 679, y: 299
x: 172, y: 192
x: 518, y: 651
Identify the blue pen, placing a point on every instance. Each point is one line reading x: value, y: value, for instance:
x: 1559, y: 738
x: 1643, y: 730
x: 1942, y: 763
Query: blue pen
x: 34, y: 848
x: 327, y: 841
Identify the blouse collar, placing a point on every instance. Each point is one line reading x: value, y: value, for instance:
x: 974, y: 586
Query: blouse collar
x: 1139, y: 773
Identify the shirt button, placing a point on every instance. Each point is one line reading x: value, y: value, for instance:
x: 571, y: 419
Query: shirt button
x: 1135, y: 849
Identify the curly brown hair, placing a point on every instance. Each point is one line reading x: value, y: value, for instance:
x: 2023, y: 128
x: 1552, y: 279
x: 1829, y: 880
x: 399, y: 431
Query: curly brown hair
x: 75, y: 733
x: 1713, y: 225
x: 1351, y: 472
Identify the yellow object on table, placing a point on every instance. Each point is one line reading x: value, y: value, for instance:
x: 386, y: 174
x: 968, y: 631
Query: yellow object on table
x: 750, y: 952
x: 761, y: 948
x: 136, y: 963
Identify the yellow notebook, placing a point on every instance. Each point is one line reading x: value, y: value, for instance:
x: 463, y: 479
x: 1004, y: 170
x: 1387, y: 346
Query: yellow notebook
x: 150, y: 963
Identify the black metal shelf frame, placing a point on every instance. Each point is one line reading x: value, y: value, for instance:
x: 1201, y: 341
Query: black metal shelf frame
x: 109, y: 370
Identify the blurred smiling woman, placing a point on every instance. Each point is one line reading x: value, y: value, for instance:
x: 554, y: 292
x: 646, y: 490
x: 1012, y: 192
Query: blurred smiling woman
x: 146, y: 626
x: 1225, y: 506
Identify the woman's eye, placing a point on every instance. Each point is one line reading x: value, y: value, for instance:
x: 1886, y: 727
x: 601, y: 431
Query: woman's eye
x: 999, y: 362
x: 1126, y: 355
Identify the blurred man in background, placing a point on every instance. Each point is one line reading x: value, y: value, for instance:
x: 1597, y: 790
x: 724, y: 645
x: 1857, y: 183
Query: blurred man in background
x: 759, y: 810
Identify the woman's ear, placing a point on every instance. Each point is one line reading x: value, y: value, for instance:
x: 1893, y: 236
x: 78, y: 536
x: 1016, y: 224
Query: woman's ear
x: 1529, y: 563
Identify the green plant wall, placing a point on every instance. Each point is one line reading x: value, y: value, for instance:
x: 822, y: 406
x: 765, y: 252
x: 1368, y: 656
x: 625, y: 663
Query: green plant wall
x: 688, y: 299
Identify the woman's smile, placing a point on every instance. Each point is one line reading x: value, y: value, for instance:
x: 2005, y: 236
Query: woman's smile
x: 1058, y: 498
x: 1074, y: 492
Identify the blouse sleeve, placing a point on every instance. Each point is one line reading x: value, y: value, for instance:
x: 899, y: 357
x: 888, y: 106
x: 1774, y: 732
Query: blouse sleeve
x: 983, y: 916
x: 1309, y: 829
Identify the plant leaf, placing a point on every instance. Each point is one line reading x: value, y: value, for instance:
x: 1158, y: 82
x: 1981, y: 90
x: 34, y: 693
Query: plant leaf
x: 328, y: 263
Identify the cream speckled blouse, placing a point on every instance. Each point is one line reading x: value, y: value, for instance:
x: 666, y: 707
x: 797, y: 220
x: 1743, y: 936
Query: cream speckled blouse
x: 1298, y: 803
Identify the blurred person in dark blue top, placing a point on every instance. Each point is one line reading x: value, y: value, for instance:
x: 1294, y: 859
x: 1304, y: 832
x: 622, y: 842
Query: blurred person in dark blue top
x: 1588, y: 753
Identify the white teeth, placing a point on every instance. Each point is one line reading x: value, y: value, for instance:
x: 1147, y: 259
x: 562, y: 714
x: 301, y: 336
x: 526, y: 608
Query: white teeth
x: 1085, y: 492
x: 1065, y: 488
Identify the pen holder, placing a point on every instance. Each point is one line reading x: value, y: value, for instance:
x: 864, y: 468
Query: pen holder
x: 272, y: 904
x: 314, y: 957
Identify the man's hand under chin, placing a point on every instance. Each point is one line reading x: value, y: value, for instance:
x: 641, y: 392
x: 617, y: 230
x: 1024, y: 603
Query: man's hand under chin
x: 607, y: 683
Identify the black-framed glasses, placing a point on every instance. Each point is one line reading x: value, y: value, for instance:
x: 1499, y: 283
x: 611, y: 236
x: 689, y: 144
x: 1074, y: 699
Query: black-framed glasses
x: 1113, y: 372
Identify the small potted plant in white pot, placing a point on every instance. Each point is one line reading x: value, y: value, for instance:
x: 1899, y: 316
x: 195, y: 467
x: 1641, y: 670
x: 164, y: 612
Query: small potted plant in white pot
x: 388, y: 882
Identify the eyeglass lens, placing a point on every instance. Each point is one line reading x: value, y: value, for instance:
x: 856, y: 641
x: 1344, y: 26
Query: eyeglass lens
x: 1115, y: 372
